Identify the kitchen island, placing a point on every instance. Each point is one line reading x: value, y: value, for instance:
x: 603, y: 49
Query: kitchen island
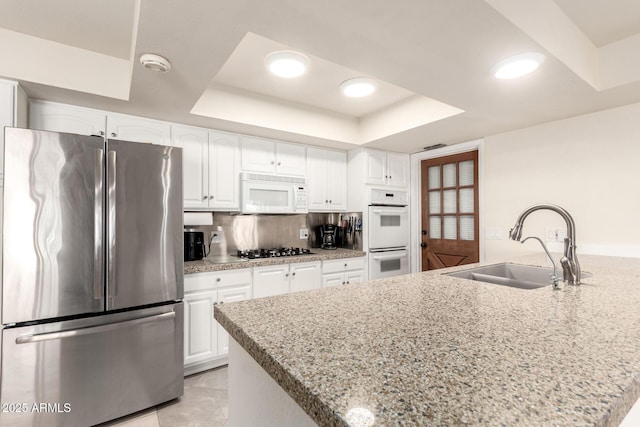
x: 430, y: 349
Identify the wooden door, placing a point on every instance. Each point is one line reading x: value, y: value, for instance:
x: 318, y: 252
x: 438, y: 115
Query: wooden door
x: 450, y: 227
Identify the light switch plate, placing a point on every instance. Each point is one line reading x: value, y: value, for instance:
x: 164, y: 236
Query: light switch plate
x: 493, y: 233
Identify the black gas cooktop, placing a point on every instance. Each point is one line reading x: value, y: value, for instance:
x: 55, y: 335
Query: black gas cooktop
x: 273, y: 252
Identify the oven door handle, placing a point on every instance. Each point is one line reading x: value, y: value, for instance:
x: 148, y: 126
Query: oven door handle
x: 386, y: 257
x: 389, y: 211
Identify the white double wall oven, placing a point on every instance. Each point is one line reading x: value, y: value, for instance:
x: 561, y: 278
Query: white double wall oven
x: 388, y: 237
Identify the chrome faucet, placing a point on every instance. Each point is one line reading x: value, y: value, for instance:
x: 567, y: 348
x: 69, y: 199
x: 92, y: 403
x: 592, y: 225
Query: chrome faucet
x: 554, y: 276
x: 569, y: 260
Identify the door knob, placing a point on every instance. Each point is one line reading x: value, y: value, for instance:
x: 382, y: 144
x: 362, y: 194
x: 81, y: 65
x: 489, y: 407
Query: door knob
x: 424, y: 232
x: 423, y: 245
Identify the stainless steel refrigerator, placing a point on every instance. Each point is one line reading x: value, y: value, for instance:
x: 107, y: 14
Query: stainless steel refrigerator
x: 92, y: 278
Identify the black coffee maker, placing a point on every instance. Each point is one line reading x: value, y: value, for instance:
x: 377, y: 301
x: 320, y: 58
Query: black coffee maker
x: 193, y: 245
x: 328, y: 236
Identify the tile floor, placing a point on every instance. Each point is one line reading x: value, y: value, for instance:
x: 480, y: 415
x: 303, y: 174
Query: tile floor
x: 204, y: 403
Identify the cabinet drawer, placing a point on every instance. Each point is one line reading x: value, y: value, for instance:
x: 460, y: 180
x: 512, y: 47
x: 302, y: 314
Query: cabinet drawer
x: 344, y: 264
x: 216, y: 279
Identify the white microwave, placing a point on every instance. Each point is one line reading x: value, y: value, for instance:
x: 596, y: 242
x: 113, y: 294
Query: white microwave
x: 272, y: 194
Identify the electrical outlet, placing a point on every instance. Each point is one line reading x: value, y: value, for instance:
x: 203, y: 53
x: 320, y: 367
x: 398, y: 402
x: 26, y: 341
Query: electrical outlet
x: 555, y: 234
x: 217, y: 236
x: 304, y: 233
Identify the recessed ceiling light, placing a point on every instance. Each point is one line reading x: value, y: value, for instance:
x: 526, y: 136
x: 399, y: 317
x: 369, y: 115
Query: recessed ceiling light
x: 518, y: 66
x: 358, y: 87
x: 287, y: 63
x: 155, y: 62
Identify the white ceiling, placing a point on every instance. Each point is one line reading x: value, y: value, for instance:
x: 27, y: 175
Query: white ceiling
x: 436, y: 50
x: 604, y: 21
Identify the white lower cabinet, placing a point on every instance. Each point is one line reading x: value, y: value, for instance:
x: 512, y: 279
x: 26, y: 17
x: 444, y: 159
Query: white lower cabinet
x: 206, y: 343
x: 305, y: 276
x: 284, y: 278
x: 343, y: 271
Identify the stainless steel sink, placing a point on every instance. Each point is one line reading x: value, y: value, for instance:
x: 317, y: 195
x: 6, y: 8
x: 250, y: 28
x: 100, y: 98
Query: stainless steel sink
x: 513, y: 275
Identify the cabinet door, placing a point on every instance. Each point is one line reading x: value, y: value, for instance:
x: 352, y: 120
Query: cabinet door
x: 305, y: 276
x: 137, y: 129
x: 224, y: 168
x: 398, y: 169
x: 195, y: 165
x: 258, y: 155
x: 376, y: 163
x: 355, y: 276
x: 336, y: 180
x: 270, y: 280
x: 333, y: 279
x: 317, y: 179
x: 64, y: 118
x: 225, y: 296
x: 200, y: 328
x: 291, y: 159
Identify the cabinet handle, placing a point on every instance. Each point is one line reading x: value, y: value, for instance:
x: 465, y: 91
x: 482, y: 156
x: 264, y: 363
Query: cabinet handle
x: 330, y: 201
x: 347, y: 282
x: 272, y: 162
x: 113, y: 135
x: 217, y: 279
x: 345, y: 266
x: 210, y: 197
x: 389, y: 176
x: 286, y: 275
x: 279, y: 163
x: 326, y: 201
x: 343, y: 283
x: 101, y: 133
x: 204, y: 197
x: 293, y: 274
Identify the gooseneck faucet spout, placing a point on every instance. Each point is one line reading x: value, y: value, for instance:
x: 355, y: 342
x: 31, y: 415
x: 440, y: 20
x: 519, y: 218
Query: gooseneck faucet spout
x: 569, y: 260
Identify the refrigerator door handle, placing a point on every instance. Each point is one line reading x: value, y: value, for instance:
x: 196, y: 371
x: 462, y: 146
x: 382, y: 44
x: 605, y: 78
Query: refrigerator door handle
x: 31, y: 338
x: 111, y: 225
x: 98, y: 266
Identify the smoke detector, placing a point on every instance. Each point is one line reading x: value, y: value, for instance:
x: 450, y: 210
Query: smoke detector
x: 154, y: 62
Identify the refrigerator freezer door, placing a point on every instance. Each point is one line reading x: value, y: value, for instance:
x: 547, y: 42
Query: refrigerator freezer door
x: 88, y: 371
x: 53, y: 228
x: 145, y: 255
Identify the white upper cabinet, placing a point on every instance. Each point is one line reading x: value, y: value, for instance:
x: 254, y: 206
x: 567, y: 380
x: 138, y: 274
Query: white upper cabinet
x: 267, y: 156
x: 386, y: 168
x: 398, y: 169
x: 66, y: 118
x: 258, y: 155
x: 85, y: 121
x: 290, y: 159
x: 326, y: 179
x: 210, y: 168
x: 224, y: 171
x: 137, y: 129
x: 195, y: 165
x: 376, y: 161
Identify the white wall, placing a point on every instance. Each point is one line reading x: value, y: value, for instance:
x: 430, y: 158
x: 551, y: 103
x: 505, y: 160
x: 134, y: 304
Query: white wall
x: 589, y: 164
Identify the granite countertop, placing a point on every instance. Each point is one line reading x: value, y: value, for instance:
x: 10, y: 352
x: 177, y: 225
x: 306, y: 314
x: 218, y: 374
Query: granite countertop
x: 232, y: 263
x: 428, y: 349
